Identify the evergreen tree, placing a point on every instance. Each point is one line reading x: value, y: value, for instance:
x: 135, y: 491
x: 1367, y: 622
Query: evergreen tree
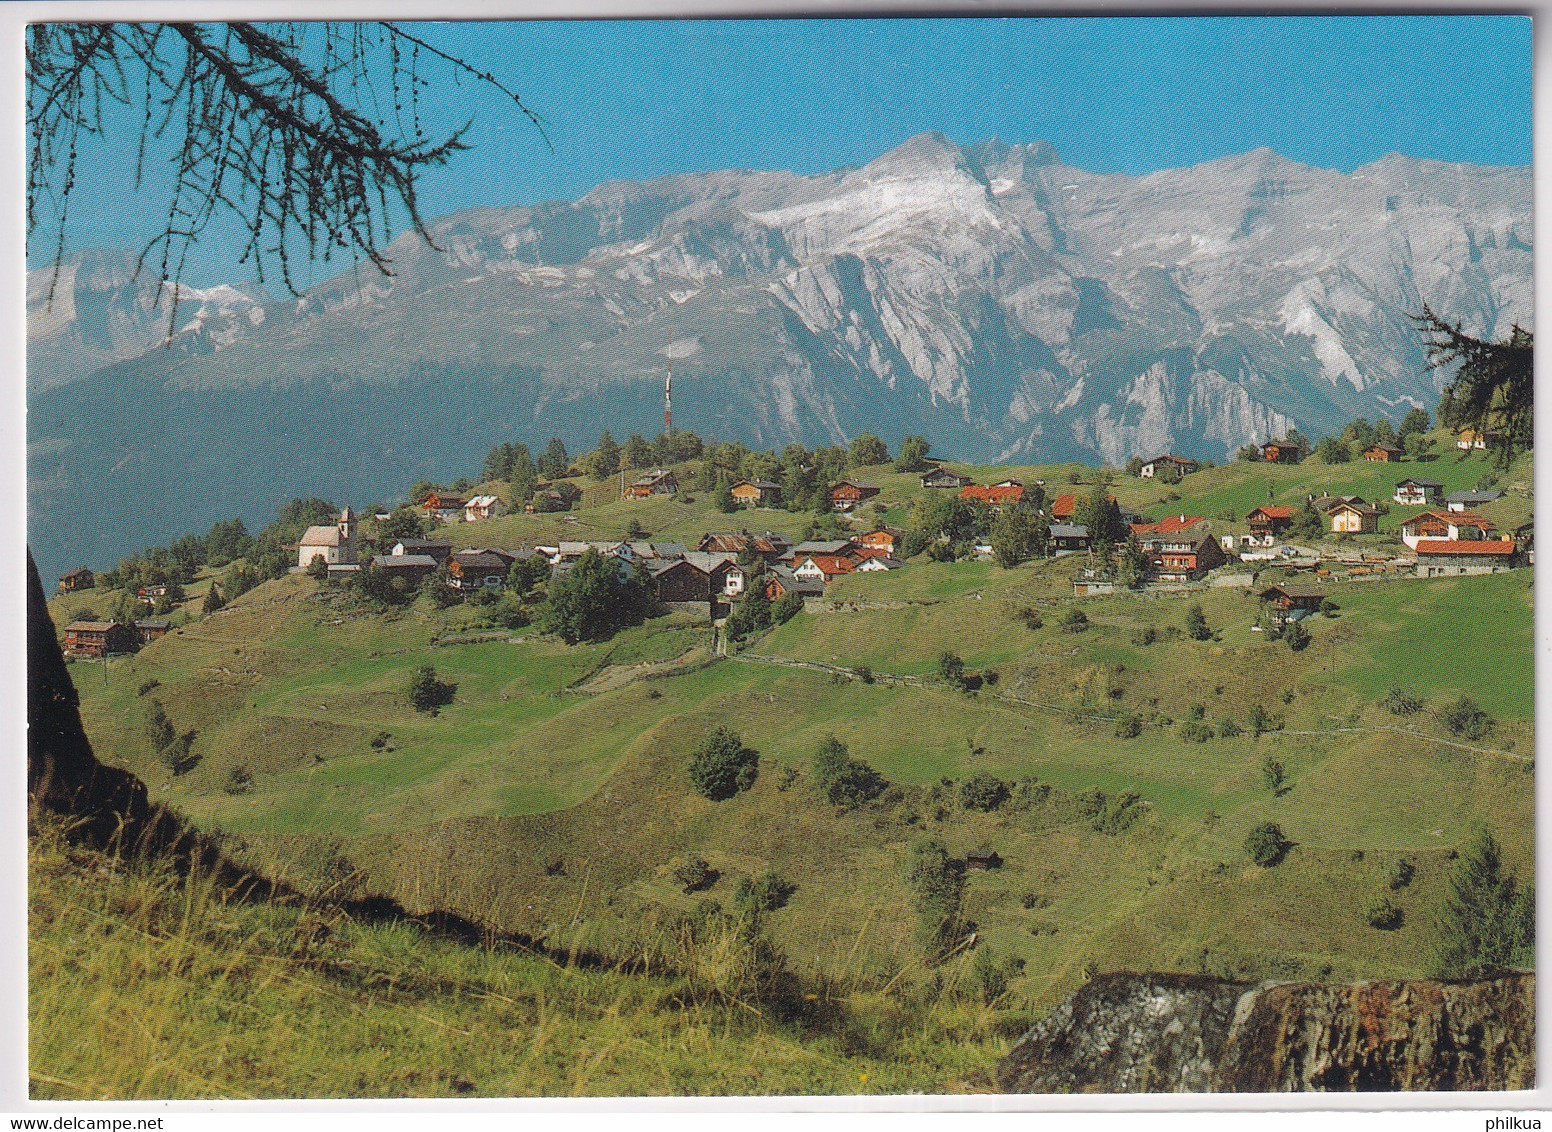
x: 1494, y: 389
x: 1416, y: 420
x: 912, y: 456
x: 1131, y: 563
x: 554, y: 463
x: 606, y: 457
x: 1488, y: 922
x: 721, y: 766
x: 867, y: 450
x: 637, y: 452
x: 1196, y: 624
x: 213, y: 599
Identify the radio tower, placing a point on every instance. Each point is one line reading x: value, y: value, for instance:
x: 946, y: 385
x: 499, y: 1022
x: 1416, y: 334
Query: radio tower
x: 668, y: 401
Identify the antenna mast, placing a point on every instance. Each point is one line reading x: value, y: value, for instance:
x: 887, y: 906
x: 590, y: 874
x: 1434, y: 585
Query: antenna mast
x: 668, y: 401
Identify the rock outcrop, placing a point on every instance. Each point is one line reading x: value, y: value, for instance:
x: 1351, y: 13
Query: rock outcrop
x: 1126, y: 1033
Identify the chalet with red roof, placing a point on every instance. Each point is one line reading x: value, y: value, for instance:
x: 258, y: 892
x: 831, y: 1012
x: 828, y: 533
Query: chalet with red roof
x: 1281, y: 452
x: 846, y: 494
x: 824, y: 567
x: 1449, y: 557
x: 996, y: 496
x: 1457, y: 526
x: 1267, y: 522
x: 1383, y: 454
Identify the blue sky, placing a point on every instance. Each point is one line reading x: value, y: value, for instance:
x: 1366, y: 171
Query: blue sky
x: 641, y: 99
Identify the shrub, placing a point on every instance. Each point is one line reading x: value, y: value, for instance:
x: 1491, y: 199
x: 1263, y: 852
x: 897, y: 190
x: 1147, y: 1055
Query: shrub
x: 1266, y: 844
x: 989, y: 978
x: 695, y: 875
x: 1090, y: 802
x: 1398, y: 701
x: 1382, y: 914
x: 1030, y: 618
x: 1073, y: 621
x: 865, y: 674
x: 1117, y: 813
x: 1227, y: 728
x: 1128, y: 726
x: 427, y: 693
x: 380, y: 740
x: 936, y: 883
x: 1463, y: 717
x: 1328, y: 607
x: 1399, y: 874
x: 148, y: 685
x: 844, y: 781
x: 765, y: 893
x: 1297, y: 636
x: 951, y: 669
x: 982, y: 792
x: 721, y: 765
x: 1145, y: 636
x: 1196, y: 712
x: 1196, y: 624
x: 1273, y: 773
x: 239, y: 780
x: 1488, y: 921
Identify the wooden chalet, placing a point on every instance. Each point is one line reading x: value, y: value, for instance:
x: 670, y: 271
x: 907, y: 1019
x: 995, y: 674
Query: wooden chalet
x: 1353, y: 518
x: 1458, y: 526
x: 438, y: 549
x: 1281, y: 452
x: 824, y: 567
x: 482, y: 507
x: 1186, y: 557
x: 769, y: 545
x: 1466, y: 500
x: 886, y: 539
x: 1168, y: 464
x: 1468, y: 440
x: 1291, y: 602
x: 781, y: 581
x: 413, y: 568
x: 98, y: 639
x: 151, y: 628
x: 983, y: 859
x: 1267, y: 522
x: 1063, y: 508
x: 1383, y: 454
x: 468, y: 571
x: 847, y: 494
x: 942, y: 477
x: 653, y: 483
x: 1068, y: 538
x: 696, y: 577
x: 78, y: 579
x: 1412, y: 492
x: 995, y: 496
x: 756, y: 493
x: 443, y: 508
x: 148, y: 594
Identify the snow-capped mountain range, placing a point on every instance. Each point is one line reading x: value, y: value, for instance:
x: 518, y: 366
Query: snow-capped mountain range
x: 1004, y: 304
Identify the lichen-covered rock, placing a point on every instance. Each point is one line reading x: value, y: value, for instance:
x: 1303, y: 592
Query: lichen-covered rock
x: 1193, y: 1033
x: 1122, y: 1033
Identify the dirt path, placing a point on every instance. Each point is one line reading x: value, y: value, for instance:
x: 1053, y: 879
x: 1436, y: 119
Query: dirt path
x: 618, y: 676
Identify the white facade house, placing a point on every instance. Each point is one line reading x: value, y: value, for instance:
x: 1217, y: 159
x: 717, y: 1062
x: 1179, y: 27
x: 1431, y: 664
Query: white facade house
x: 336, y: 545
x: 482, y: 507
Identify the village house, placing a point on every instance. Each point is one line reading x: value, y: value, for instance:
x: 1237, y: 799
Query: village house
x: 942, y: 477
x: 1458, y: 526
x: 147, y: 595
x: 653, y: 483
x: 1438, y: 558
x: 756, y: 493
x: 97, y: 639
x: 413, y: 568
x: 78, y: 579
x: 1147, y: 532
x: 1063, y: 508
x: 1267, y: 523
x: 781, y: 581
x: 1468, y: 440
x: 151, y: 628
x: 823, y: 567
x: 1290, y: 601
x: 1186, y: 557
x: 1466, y: 500
x: 1163, y: 466
x: 546, y: 500
x: 1068, y: 538
x: 440, y: 507
x: 1281, y: 452
x: 335, y: 544
x: 1324, y: 503
x: 1353, y: 519
x: 726, y: 577
x: 846, y: 494
x: 841, y: 546
x: 768, y: 545
x: 886, y: 539
x: 1383, y: 454
x: 468, y: 571
x: 482, y: 507
x: 877, y: 563
x: 996, y: 496
x: 437, y: 549
x: 696, y: 577
x: 1418, y: 492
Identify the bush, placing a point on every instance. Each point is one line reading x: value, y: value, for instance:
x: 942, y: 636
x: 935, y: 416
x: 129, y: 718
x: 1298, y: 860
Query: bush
x: 1463, y: 717
x: 982, y: 792
x: 1297, y: 636
x: 1116, y: 813
x: 844, y: 781
x: 427, y: 693
x: 951, y: 669
x: 937, y: 884
x: 721, y: 766
x: 765, y: 893
x: 695, y: 875
x: 1194, y: 732
x: 1266, y: 844
x: 1196, y: 712
x: 1029, y: 617
x: 1227, y: 728
x: 1273, y: 773
x: 380, y: 740
x: 1399, y: 874
x: 1196, y: 624
x: 1382, y: 914
x: 148, y: 685
x: 865, y: 674
x: 786, y: 607
x: 1128, y: 726
x: 239, y: 780
x: 1145, y: 636
x: 1073, y: 621
x: 1398, y: 701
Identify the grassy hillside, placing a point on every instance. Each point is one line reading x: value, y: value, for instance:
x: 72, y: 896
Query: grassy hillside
x: 552, y: 796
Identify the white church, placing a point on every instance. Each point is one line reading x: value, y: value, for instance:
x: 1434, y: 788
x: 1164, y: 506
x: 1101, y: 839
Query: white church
x: 336, y: 544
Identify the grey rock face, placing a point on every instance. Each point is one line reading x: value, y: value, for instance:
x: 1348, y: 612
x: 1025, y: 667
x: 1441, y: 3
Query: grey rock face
x: 1194, y: 1033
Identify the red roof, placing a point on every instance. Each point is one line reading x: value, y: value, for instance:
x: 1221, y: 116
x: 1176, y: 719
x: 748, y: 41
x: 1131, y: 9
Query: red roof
x: 1275, y: 512
x: 1489, y: 547
x: 830, y: 564
x: 1064, y: 507
x: 1456, y: 518
x: 994, y: 495
x: 1170, y: 525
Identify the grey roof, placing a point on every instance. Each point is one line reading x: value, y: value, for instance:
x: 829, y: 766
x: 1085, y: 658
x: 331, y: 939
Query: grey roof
x: 764, y: 485
x: 1418, y: 482
x: 153, y: 623
x: 888, y: 562
x: 416, y: 545
x: 794, y: 584
x: 706, y: 563
x: 404, y: 561
x: 321, y: 536
x: 830, y: 546
x: 670, y: 549
x: 481, y: 560
x: 1473, y: 496
x: 1069, y: 530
